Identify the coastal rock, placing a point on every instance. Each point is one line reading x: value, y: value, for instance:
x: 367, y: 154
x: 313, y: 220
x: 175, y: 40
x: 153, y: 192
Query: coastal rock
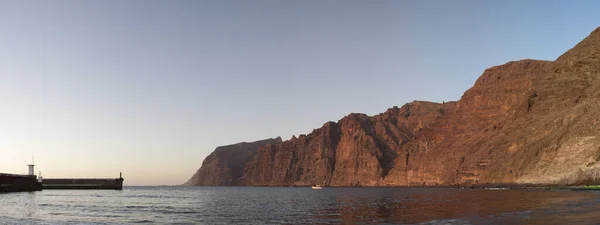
x: 224, y: 165
x: 523, y: 122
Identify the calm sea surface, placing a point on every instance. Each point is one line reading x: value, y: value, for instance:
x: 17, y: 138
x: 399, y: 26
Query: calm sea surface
x: 265, y: 205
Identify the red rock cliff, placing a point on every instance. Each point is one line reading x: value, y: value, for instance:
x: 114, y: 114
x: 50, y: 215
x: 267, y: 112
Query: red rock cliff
x: 224, y: 165
x: 524, y: 122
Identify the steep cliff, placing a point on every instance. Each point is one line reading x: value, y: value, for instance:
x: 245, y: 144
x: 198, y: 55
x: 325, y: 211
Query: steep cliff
x: 224, y: 165
x: 524, y: 122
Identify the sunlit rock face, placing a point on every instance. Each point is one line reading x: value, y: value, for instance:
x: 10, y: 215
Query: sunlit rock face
x: 524, y: 122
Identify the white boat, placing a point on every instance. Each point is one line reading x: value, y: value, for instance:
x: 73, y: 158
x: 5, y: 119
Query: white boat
x: 496, y: 188
x: 317, y: 187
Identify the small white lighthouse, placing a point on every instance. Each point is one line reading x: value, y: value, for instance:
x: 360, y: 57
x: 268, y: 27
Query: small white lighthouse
x: 32, y: 167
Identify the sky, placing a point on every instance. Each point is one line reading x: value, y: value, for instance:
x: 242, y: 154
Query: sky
x: 150, y: 88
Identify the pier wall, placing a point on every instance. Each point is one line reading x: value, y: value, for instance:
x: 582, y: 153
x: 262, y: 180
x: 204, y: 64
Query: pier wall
x: 17, y: 183
x: 77, y: 183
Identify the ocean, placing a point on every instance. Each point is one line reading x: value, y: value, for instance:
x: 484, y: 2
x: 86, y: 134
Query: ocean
x: 300, y: 205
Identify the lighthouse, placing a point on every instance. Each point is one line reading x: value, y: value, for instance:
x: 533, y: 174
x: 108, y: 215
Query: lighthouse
x: 31, y: 167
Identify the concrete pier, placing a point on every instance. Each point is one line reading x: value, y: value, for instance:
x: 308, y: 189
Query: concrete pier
x: 83, y: 183
x: 18, y: 183
x: 14, y: 182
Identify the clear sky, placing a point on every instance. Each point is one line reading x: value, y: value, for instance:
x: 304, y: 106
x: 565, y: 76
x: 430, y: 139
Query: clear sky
x: 150, y: 88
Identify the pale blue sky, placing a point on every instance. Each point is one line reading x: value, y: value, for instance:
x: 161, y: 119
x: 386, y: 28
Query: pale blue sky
x: 150, y: 88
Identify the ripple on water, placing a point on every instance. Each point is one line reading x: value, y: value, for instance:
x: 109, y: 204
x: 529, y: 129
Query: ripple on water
x: 242, y: 205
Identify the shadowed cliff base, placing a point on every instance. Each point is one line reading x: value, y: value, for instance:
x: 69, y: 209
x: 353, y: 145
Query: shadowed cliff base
x: 224, y: 166
x: 526, y: 122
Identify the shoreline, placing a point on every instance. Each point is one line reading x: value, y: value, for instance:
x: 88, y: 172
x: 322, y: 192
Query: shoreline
x: 483, y: 187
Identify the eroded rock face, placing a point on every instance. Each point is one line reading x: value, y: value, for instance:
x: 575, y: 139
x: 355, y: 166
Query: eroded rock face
x: 224, y: 165
x: 524, y: 122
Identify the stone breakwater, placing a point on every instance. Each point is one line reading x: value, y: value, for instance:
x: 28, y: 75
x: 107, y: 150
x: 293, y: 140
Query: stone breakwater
x: 65, y: 183
x: 18, y: 183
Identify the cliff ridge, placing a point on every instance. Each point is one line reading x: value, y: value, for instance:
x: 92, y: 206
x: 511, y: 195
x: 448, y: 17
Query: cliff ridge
x: 523, y: 122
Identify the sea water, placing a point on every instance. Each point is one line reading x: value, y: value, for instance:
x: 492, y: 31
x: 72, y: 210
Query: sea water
x: 299, y: 205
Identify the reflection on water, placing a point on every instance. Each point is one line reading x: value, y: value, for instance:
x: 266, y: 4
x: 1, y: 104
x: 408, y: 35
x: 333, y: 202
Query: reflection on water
x: 415, y: 205
x: 30, y: 204
x: 244, y: 205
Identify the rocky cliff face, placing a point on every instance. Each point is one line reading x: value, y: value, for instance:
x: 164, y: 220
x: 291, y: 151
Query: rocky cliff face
x: 224, y: 165
x: 524, y: 122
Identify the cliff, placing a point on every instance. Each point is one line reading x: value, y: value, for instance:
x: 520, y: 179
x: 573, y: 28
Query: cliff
x: 524, y: 122
x: 224, y: 165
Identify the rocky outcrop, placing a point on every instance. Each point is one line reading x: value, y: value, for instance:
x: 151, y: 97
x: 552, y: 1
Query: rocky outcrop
x: 524, y: 122
x: 224, y: 165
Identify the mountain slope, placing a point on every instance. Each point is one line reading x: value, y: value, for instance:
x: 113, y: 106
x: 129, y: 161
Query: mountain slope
x: 524, y: 122
x: 224, y: 165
